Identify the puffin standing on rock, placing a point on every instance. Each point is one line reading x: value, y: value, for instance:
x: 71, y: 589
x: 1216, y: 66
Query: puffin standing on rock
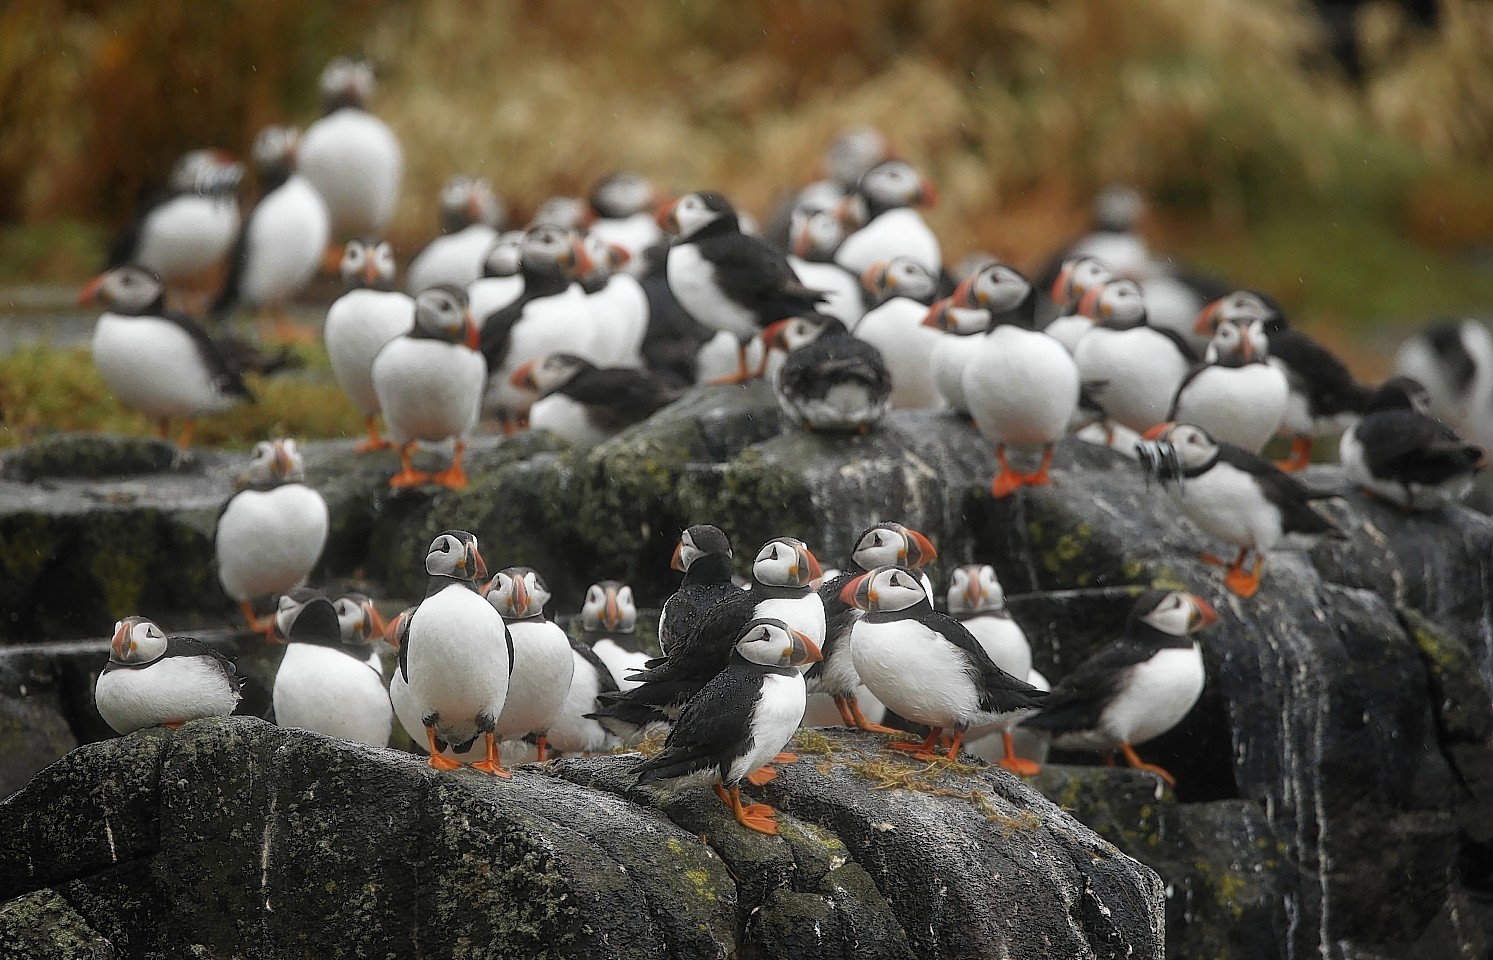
x: 360, y: 323
x: 902, y: 289
x: 924, y: 665
x: 152, y: 680
x: 351, y: 156
x: 729, y: 281
x: 1235, y: 394
x: 586, y: 404
x: 740, y: 719
x: 323, y: 684
x: 1136, y: 688
x: 272, y: 531
x: 541, y: 669
x: 1233, y: 494
x: 1400, y: 453
x: 975, y: 599
x: 429, y: 384
x: 1130, y: 369
x: 831, y: 380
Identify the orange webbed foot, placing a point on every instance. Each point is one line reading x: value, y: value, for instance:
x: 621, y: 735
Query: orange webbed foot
x: 407, y: 478
x: 1006, y: 483
x: 494, y: 768
x: 1020, y: 766
x: 761, y: 823
x: 1137, y: 763
x: 785, y: 758
x: 452, y: 478
x: 1241, y: 583
x: 441, y: 763
x: 372, y: 444
x: 761, y: 777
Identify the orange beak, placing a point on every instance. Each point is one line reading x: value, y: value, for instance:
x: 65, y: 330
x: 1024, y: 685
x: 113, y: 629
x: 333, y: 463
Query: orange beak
x: 583, y: 262
x: 928, y: 193
x: 1158, y: 431
x: 611, y: 615
x: 1207, y: 319
x: 676, y: 562
x: 921, y: 550
x: 473, y: 336
x: 801, y: 244
x: 1247, y: 348
x: 964, y: 294
x: 393, y: 629
x: 480, y: 564
x: 1059, y: 291
x: 376, y: 623
x: 871, y: 278
x: 773, y: 338
x: 89, y: 295
x: 812, y: 563
x: 937, y: 314
x: 283, y: 463
x: 668, y: 218
x: 370, y: 272
x: 121, y: 643
x: 1207, y: 616
x: 972, y: 594
x: 523, y: 377
x: 856, y: 593
x: 520, y: 599
x: 1089, y: 303
x: 474, y: 209
x: 805, y: 650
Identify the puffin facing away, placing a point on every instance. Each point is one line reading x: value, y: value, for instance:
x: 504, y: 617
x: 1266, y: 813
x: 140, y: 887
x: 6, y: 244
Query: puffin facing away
x: 1400, y: 453
x: 1137, y: 687
x: 151, y: 680
x: 740, y: 720
x: 831, y: 380
x: 323, y: 685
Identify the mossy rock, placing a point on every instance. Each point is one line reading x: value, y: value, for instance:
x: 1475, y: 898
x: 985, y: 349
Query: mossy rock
x: 95, y: 456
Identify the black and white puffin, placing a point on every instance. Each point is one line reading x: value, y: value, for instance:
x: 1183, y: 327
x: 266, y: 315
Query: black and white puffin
x: 1075, y: 278
x: 271, y: 532
x: 283, y: 239
x: 1400, y: 453
x: 813, y: 238
x: 607, y: 615
x: 1021, y: 385
x: 154, y: 360
x: 1234, y: 394
x: 619, y: 306
x: 740, y: 719
x: 1324, y: 398
x: 703, y: 555
x: 152, y: 680
x: 729, y: 281
x: 901, y: 290
x: 539, y: 675
x: 621, y: 213
x: 429, y: 384
x: 609, y: 618
x: 879, y: 545
x: 190, y: 226
x: 323, y: 685
x: 352, y: 156
x: 1137, y: 687
x: 470, y: 215
x: 360, y: 323
x: 1129, y: 368
x: 1453, y: 361
x: 924, y: 665
x: 360, y: 624
x: 957, y: 326
x: 1233, y: 494
x: 883, y: 208
x: 586, y: 404
x: 830, y: 379
x: 502, y: 280
x: 454, y: 656
x: 975, y: 598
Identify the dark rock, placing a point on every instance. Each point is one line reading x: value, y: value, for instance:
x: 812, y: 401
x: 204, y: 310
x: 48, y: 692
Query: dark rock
x: 33, y: 727
x: 42, y: 926
x: 94, y: 456
x: 234, y: 838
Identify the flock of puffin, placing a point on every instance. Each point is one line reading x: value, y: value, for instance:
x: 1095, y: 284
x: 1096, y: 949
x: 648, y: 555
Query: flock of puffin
x: 602, y: 311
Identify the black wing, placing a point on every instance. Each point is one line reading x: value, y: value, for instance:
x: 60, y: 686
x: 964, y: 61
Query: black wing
x: 224, y: 374
x: 705, y: 650
x: 618, y: 397
x: 712, y: 729
x: 1079, y: 698
x: 758, y: 277
x: 1316, y: 374
x: 192, y: 647
x: 683, y: 611
x: 999, y: 691
x: 1410, y: 447
x: 834, y: 358
x: 1288, y: 494
x: 1197, y: 368
x: 1180, y: 342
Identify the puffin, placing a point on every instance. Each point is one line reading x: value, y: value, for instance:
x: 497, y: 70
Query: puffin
x: 1130, y: 369
x: 925, y: 665
x: 902, y: 290
x: 360, y: 625
x: 1324, y: 398
x: 880, y: 544
x: 1137, y: 687
x: 154, y: 360
x: 429, y: 384
x: 1398, y: 452
x: 883, y: 208
x: 282, y: 240
x: 975, y: 598
x: 552, y: 314
x: 608, y: 618
x: 957, y: 327
x: 1075, y: 278
x: 831, y: 381
x: 1453, y: 361
x: 189, y: 227
x: 727, y: 280
x: 573, y: 729
x: 619, y: 306
x: 855, y: 150
x: 703, y: 555
x: 350, y: 155
x: 542, y: 666
x: 740, y: 719
x: 470, y: 215
x: 502, y: 280
x: 1233, y: 494
x: 323, y: 685
x: 152, y: 680
x: 271, y: 532
x: 813, y: 238
x: 454, y: 656
x: 360, y: 323
x: 586, y: 404
x: 1021, y: 385
x: 621, y: 214
x: 1234, y: 394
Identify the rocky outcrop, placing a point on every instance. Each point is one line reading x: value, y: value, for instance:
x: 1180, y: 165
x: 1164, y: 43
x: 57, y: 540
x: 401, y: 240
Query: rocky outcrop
x: 232, y: 838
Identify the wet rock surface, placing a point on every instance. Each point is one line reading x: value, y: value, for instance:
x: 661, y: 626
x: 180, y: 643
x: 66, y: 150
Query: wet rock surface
x: 234, y: 838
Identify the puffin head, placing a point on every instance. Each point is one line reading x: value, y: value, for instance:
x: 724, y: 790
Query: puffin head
x: 454, y: 554
x: 304, y: 615
x: 785, y: 562
x: 1236, y: 343
x: 814, y: 235
x: 517, y: 592
x: 128, y: 290
x: 974, y: 588
x: 346, y: 82
x: 552, y: 250
x: 1077, y: 277
x: 694, y: 212
x: 272, y: 463
x: 1170, y: 448
x: 794, y: 332
x: 275, y: 148
x: 896, y: 183
x: 1173, y: 612
x: 467, y: 200
x: 367, y: 264
x: 358, y: 619
x: 441, y: 312
x: 1117, y: 304
x: 623, y: 194
x: 544, y: 375
x: 772, y: 643
x: 1241, y: 306
x: 609, y: 606
x: 505, y: 257
x: 1399, y: 393
x: 697, y: 541
x: 995, y: 287
x: 886, y: 589
x: 889, y: 544
x: 137, y: 640
x: 899, y: 277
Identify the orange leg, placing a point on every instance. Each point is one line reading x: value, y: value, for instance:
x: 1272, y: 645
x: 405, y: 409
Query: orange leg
x: 184, y: 440
x: 436, y: 760
x: 374, y: 441
x: 491, y: 764
x: 785, y: 758
x: 173, y: 724
x: 453, y: 477
x: 958, y: 742
x: 924, y: 750
x: 1241, y: 583
x: 1139, y: 764
x: 256, y: 625
x: 541, y: 748
x: 858, y: 719
x: 762, y: 776
x: 1301, y: 455
x: 742, y: 375
x: 845, y: 713
x: 408, y: 476
x: 163, y: 427
x: 1042, y: 478
x: 1006, y: 482
x: 1017, y: 765
x: 758, y: 816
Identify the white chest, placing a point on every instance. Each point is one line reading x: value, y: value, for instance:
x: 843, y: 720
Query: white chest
x: 491, y: 294
x: 1227, y: 503
x: 1139, y: 370
x: 269, y: 541
x: 186, y: 235
x: 896, y: 233
x: 774, y: 721
x: 915, y: 672
x: 358, y: 326
x: 355, y: 162
x: 542, y: 669
x: 842, y: 291
x: 287, y: 235
x: 896, y: 329
x: 155, y: 367
x: 428, y: 389
x: 171, y: 690
x: 1021, y: 387
x: 1238, y: 405
x: 1004, y: 641
x: 1156, y: 696
x: 457, y: 662
x: 692, y: 281
x: 325, y: 690
x: 455, y: 258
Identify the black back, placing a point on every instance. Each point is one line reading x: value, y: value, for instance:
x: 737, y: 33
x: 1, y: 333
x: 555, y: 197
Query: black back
x: 617, y: 397
x: 753, y: 274
x: 188, y: 647
x: 497, y: 328
x: 834, y: 357
x: 1404, y: 446
x: 1445, y: 340
x: 714, y: 728
x: 1317, y: 375
x: 1288, y: 494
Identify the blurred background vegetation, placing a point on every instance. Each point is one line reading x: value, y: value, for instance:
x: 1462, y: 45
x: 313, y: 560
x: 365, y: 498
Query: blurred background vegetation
x: 1362, y: 197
